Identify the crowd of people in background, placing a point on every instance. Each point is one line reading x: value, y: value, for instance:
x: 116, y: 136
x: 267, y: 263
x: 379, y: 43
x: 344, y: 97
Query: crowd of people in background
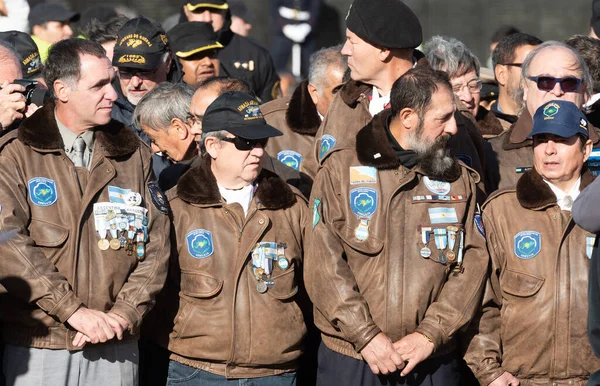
x: 183, y: 205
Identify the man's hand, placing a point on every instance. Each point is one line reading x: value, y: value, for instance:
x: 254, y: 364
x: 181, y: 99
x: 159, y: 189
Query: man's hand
x: 505, y: 379
x: 12, y: 103
x: 414, y: 348
x: 118, y: 324
x: 92, y: 326
x: 379, y: 353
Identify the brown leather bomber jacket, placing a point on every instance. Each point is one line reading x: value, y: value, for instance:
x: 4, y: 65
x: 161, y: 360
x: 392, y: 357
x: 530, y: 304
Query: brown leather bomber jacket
x: 224, y: 324
x: 51, y: 263
x: 366, y: 267
x: 534, y: 318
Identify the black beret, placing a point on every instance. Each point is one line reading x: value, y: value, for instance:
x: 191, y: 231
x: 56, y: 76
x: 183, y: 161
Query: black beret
x: 385, y: 23
x: 595, y: 21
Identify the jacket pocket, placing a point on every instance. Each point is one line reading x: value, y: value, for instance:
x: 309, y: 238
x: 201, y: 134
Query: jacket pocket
x: 285, y: 285
x: 199, y: 285
x: 46, y: 234
x: 372, y: 246
x: 520, y: 284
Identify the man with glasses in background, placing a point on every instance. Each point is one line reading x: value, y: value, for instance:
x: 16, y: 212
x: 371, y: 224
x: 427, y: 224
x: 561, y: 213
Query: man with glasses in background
x: 143, y: 60
x: 551, y: 71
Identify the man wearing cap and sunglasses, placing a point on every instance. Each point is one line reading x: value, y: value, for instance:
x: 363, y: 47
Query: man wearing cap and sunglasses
x: 532, y: 329
x: 240, y: 57
x: 196, y: 47
x: 551, y: 71
x: 239, y: 236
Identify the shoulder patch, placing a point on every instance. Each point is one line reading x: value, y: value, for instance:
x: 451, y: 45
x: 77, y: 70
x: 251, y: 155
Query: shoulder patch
x: 527, y: 244
x: 290, y: 158
x: 363, y: 202
x: 479, y: 224
x: 158, y: 198
x: 327, y: 143
x: 316, y: 214
x: 200, y: 243
x: 42, y: 191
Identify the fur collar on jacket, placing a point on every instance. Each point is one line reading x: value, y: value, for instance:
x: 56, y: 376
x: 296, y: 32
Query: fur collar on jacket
x: 488, y: 123
x: 199, y: 186
x: 533, y: 193
x: 302, y: 116
x: 41, y: 131
x: 373, y: 147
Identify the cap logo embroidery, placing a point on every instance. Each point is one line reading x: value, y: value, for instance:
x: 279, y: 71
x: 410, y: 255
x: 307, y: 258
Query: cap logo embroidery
x: 583, y: 124
x: 551, y: 110
x: 164, y: 39
x: 131, y: 38
x: 139, y: 59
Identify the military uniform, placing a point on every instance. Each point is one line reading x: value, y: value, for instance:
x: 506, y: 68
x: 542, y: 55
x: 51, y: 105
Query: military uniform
x: 391, y: 250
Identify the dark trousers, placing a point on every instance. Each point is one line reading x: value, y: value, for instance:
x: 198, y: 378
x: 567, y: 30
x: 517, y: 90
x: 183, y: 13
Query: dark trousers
x: 338, y: 369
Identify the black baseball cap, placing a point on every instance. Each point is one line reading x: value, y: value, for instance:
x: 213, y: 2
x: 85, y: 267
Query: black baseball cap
x: 31, y: 64
x: 45, y: 12
x: 238, y: 113
x: 385, y: 23
x: 192, y: 37
x: 214, y: 4
x: 141, y: 43
x: 238, y: 8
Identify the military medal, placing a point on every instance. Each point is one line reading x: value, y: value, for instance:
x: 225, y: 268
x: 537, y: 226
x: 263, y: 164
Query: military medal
x: 441, y: 243
x: 425, y: 233
x: 451, y: 255
x: 283, y: 263
x: 115, y: 244
x: 362, y: 230
x: 103, y: 244
x: 261, y: 287
x: 451, y: 242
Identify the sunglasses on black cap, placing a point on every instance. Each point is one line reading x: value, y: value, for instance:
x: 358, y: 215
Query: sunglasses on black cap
x: 547, y: 83
x: 244, y: 144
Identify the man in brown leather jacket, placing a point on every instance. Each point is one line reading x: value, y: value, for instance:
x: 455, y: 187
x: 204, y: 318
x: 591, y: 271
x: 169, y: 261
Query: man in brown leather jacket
x: 510, y: 155
x: 86, y: 228
x: 395, y: 256
x: 239, y: 239
x: 299, y: 117
x: 532, y: 329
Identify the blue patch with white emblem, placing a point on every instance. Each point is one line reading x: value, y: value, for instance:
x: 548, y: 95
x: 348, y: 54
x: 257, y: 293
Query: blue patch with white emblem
x: 290, y: 158
x: 327, y: 143
x: 363, y: 202
x: 42, y: 191
x: 479, y: 224
x: 527, y: 244
x: 200, y: 243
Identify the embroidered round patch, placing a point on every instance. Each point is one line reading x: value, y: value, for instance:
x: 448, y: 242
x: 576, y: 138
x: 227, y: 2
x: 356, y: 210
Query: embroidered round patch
x: 42, y: 191
x: 200, y: 243
x: 363, y: 202
x: 437, y: 187
x: 327, y: 143
x: 290, y: 158
x: 527, y: 244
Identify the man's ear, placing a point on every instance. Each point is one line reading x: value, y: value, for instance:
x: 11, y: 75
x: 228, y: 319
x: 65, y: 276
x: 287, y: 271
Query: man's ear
x: 211, y: 143
x: 587, y: 149
x: 181, y: 129
x: 384, y: 55
x: 62, y: 90
x: 314, y: 93
x: 501, y: 73
x: 408, y: 118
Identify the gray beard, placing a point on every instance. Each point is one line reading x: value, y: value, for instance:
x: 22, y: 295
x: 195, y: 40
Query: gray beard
x: 433, y: 157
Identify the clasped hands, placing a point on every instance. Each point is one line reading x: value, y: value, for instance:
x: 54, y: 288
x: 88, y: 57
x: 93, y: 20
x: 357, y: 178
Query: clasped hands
x: 385, y: 357
x: 96, y: 326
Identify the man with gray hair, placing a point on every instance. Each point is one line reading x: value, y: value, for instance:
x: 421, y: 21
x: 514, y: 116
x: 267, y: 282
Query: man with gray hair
x: 551, y: 71
x: 299, y: 117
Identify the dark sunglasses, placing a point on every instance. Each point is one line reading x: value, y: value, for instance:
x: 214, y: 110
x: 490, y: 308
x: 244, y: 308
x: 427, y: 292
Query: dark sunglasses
x: 513, y: 64
x: 547, y: 83
x: 244, y: 144
x: 129, y: 73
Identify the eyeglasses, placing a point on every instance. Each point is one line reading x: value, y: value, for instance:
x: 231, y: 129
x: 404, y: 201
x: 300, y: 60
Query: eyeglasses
x: 547, y: 83
x: 130, y: 73
x: 513, y: 64
x: 474, y: 87
x: 193, y: 118
x: 244, y: 144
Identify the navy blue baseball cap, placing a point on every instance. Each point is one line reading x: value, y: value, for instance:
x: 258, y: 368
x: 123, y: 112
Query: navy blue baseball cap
x: 560, y: 118
x: 238, y: 113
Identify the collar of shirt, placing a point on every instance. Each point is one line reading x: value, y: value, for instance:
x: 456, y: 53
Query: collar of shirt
x: 561, y: 197
x: 242, y: 196
x: 69, y: 137
x: 593, y: 99
x: 378, y: 103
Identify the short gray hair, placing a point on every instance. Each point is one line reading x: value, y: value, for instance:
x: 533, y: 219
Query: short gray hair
x: 219, y: 135
x: 451, y: 56
x: 166, y: 101
x: 8, y: 53
x: 587, y: 82
x: 322, y: 62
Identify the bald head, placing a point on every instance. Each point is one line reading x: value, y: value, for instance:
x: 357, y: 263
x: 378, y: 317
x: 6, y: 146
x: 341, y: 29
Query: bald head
x: 10, y: 67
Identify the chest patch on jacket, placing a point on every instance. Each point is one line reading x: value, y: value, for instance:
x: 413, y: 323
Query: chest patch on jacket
x: 158, y: 198
x: 290, y: 158
x: 327, y: 143
x: 363, y: 202
x: 199, y: 243
x: 437, y: 187
x: 527, y: 244
x: 363, y: 175
x: 42, y: 191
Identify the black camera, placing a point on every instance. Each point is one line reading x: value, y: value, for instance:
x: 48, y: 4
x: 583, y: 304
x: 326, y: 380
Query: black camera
x: 33, y: 93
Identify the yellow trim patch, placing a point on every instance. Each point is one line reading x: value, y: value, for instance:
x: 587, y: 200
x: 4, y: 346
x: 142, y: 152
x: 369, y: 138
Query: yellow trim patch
x: 192, y: 8
x: 186, y: 54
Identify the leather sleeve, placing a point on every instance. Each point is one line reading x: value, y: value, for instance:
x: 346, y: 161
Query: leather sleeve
x: 138, y: 295
x: 484, y: 352
x: 460, y: 297
x: 25, y: 271
x: 328, y: 277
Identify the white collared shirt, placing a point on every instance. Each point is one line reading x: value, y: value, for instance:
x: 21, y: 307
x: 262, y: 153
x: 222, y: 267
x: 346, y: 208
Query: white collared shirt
x: 565, y: 200
x: 242, y: 196
x: 378, y: 102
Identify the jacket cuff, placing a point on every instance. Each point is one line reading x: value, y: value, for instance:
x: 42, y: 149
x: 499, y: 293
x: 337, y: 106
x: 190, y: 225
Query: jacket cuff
x: 433, y: 332
x: 129, y: 313
x: 66, y: 307
x: 490, y: 374
x: 363, y: 335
